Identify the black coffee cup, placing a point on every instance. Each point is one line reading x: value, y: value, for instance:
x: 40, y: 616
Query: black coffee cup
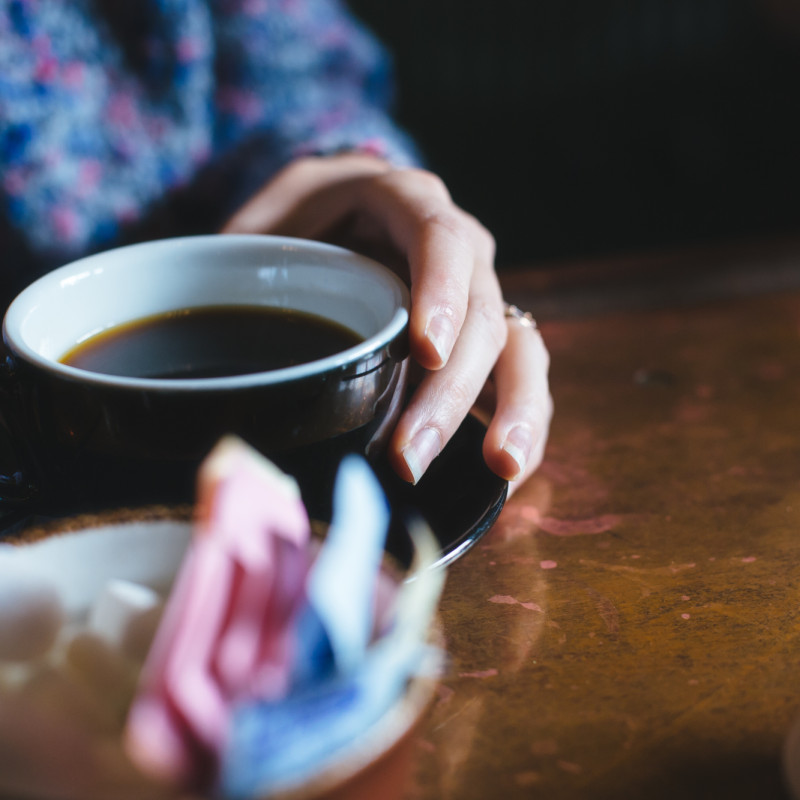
x: 85, y: 440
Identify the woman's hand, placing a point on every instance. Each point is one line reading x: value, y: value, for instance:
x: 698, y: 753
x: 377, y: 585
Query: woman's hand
x: 459, y: 333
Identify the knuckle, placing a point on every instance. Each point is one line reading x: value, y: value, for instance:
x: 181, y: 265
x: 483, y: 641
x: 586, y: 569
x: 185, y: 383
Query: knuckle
x: 535, y: 412
x: 544, y: 354
x: 542, y: 410
x: 426, y: 181
x: 491, y: 319
x: 426, y: 187
x: 304, y: 165
x: 459, y: 396
x: 485, y: 242
x: 450, y: 220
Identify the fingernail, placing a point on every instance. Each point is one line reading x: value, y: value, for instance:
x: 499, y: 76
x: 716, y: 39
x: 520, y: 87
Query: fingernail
x: 518, y: 444
x: 425, y: 445
x: 442, y: 335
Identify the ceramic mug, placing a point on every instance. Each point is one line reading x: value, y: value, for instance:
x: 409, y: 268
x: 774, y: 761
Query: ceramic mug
x: 83, y: 439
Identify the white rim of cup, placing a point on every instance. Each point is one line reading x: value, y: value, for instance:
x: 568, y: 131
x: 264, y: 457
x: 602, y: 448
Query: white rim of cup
x: 16, y: 313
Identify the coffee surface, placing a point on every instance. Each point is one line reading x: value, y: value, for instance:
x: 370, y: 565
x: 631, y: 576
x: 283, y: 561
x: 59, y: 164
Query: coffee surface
x: 210, y: 342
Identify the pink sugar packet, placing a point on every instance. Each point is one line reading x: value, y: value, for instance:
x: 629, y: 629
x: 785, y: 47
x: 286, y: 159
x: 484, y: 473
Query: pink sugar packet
x: 227, y: 633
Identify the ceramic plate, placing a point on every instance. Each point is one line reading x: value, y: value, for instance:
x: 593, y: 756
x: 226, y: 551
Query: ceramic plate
x: 459, y: 497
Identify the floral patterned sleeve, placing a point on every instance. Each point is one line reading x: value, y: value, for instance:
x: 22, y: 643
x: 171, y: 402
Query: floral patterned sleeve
x: 122, y: 121
x: 312, y: 76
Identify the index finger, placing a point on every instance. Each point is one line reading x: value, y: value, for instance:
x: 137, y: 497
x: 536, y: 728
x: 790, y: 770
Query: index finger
x: 440, y: 242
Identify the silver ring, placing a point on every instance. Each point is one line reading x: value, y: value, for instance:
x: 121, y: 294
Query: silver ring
x: 525, y: 318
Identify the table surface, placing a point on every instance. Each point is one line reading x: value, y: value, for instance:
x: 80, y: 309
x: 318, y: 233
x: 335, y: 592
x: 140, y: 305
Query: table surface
x: 630, y: 627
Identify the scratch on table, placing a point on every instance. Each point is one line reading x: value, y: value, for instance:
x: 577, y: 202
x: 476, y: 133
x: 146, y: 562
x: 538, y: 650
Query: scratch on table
x: 462, y: 709
x: 579, y: 527
x: 505, y: 599
x: 607, y: 611
x: 669, y: 569
x: 481, y: 673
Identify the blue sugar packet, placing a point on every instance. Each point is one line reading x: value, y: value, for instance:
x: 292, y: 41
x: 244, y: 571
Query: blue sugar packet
x: 313, y: 658
x: 341, y: 584
x: 276, y: 745
x: 334, y: 629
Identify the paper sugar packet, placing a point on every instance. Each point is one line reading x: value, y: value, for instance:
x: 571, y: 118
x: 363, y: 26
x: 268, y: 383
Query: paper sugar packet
x: 274, y: 744
x: 277, y: 651
x: 226, y: 634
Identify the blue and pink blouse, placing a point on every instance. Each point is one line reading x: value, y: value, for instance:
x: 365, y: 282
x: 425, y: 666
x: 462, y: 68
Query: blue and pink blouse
x: 128, y: 119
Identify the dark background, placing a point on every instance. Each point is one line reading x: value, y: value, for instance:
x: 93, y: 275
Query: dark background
x: 577, y: 128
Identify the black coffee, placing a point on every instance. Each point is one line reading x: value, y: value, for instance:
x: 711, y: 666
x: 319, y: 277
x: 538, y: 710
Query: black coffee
x: 211, y: 342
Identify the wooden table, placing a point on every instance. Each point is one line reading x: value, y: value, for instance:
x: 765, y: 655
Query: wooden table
x: 630, y: 627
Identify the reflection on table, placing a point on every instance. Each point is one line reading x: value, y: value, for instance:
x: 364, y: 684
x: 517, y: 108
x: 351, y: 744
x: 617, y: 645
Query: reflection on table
x: 630, y: 627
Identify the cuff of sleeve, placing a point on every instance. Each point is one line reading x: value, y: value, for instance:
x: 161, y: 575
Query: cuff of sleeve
x: 375, y: 136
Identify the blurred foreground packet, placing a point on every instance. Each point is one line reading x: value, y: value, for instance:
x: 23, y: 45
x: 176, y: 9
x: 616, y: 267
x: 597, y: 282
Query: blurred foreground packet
x: 277, y: 745
x: 276, y: 651
x: 227, y: 632
x: 337, y: 623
